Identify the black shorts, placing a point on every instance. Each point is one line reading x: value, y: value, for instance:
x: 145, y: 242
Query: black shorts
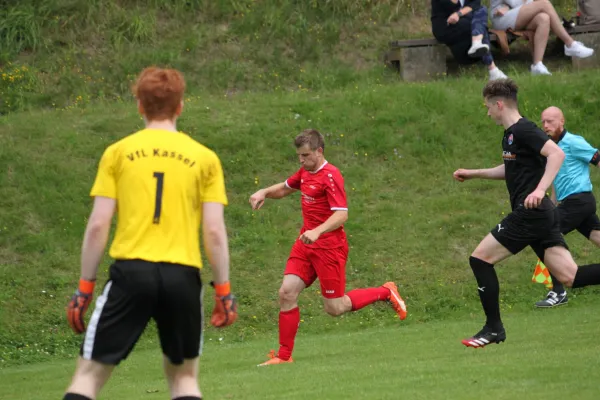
x: 137, y: 291
x: 578, y: 211
x: 538, y: 228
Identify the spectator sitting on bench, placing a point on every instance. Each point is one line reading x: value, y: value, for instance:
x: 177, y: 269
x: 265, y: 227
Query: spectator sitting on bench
x: 540, y: 17
x: 462, y: 26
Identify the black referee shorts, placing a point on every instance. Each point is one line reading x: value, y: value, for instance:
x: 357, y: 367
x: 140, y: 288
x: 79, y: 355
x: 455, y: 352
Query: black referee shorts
x: 578, y: 211
x: 136, y: 291
x: 538, y: 228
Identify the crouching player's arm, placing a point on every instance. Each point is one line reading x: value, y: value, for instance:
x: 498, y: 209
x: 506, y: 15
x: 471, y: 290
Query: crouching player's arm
x: 277, y: 191
x: 217, y: 252
x: 337, y: 219
x: 94, y: 244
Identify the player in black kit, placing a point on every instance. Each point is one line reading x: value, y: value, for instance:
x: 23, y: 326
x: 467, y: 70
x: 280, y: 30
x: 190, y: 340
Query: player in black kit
x: 531, y: 161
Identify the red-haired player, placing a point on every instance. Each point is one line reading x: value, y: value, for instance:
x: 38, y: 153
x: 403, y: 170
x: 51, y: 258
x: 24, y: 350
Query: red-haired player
x: 165, y: 186
x: 321, y: 250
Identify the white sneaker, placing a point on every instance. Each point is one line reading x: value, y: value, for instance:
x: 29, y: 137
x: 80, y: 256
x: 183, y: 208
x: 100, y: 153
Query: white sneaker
x: 539, y: 69
x: 497, y: 74
x: 478, y: 50
x: 577, y: 49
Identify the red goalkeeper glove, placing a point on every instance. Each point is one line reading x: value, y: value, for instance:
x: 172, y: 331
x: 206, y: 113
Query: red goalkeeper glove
x: 79, y: 304
x: 225, y: 311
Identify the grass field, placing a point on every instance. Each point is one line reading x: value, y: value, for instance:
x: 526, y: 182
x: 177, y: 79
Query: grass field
x: 548, y: 354
x: 397, y: 146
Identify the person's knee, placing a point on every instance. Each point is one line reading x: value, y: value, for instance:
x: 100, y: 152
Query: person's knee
x: 594, y: 237
x: 542, y: 19
x: 287, y: 296
x: 333, y: 309
x: 481, y: 12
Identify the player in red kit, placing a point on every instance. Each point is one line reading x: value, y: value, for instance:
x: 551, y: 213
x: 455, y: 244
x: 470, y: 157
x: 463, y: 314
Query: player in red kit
x: 321, y: 250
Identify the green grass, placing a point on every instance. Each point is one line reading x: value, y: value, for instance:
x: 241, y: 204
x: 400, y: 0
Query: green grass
x: 397, y: 146
x: 548, y: 353
x: 78, y: 51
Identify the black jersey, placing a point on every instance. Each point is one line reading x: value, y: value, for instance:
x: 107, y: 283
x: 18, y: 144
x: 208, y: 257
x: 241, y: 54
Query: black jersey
x: 523, y: 163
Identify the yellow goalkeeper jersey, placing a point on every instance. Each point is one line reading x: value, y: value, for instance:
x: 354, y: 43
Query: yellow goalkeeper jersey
x: 160, y: 180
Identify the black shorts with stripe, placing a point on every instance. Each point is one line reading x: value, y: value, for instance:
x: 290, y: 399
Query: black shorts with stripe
x: 137, y: 291
x: 578, y: 211
x: 537, y: 227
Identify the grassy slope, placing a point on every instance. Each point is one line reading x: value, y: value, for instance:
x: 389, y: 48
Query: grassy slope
x: 402, y: 362
x: 66, y: 53
x: 397, y: 146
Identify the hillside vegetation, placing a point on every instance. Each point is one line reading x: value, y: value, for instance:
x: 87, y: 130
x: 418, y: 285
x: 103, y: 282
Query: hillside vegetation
x: 397, y: 146
x: 67, y: 53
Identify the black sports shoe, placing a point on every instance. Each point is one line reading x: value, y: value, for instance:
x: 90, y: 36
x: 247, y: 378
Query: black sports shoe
x: 484, y: 337
x: 553, y: 299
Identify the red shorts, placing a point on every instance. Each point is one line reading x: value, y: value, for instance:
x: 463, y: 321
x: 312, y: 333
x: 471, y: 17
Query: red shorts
x: 329, y: 265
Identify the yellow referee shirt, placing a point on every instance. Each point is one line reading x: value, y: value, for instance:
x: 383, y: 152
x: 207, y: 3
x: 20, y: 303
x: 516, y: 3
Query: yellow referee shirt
x: 160, y: 180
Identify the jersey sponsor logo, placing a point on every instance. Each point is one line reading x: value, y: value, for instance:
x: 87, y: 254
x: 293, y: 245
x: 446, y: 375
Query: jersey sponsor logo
x: 308, y: 198
x: 330, y: 291
x: 508, y: 156
x: 510, y: 139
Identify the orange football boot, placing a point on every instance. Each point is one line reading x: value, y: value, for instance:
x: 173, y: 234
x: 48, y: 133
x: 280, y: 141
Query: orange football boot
x: 273, y: 360
x: 396, y: 300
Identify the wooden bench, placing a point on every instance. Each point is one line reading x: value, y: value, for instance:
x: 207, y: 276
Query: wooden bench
x: 425, y: 59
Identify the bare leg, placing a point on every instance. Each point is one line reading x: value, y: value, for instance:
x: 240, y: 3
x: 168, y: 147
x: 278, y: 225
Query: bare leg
x: 528, y: 12
x: 182, y: 379
x: 338, y: 306
x: 561, y: 264
x: 540, y: 24
x: 290, y: 289
x: 491, y: 251
x: 595, y: 238
x: 90, y: 376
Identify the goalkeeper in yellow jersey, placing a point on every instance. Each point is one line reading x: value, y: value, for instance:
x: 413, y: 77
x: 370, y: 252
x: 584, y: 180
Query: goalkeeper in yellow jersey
x: 166, y: 187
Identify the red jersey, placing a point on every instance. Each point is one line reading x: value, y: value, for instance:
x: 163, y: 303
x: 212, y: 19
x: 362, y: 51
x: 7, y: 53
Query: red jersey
x: 322, y: 194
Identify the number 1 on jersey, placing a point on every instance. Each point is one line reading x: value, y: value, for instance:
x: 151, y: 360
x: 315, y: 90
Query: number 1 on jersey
x: 160, y: 177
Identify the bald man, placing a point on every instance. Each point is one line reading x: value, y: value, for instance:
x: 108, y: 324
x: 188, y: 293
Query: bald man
x: 571, y: 191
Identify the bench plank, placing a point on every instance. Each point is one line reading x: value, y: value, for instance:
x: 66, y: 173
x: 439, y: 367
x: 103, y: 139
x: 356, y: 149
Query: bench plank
x: 424, y: 42
x: 584, y: 28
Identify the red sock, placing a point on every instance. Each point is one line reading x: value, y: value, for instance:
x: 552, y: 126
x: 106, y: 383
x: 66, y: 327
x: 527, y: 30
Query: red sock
x: 288, y: 327
x: 363, y: 297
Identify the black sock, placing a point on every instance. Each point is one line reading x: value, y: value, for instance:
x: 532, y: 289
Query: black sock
x: 73, y: 396
x: 188, y: 398
x: 489, y: 291
x: 587, y: 275
x: 557, y: 285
